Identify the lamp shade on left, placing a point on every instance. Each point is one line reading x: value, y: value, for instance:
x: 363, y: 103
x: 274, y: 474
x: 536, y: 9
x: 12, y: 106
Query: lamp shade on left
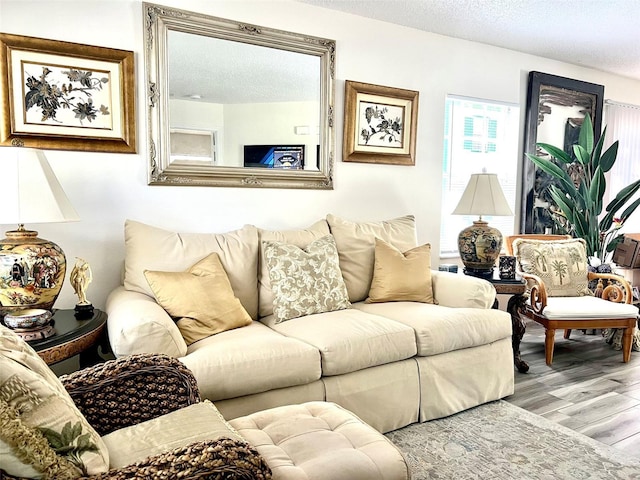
x: 32, y: 270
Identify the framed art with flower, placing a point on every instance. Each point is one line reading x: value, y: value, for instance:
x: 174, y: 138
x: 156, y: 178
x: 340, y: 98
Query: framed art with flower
x: 379, y: 124
x: 66, y: 96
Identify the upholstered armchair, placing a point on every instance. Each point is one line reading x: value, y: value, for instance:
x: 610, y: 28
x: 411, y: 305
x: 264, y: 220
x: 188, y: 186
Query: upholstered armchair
x: 111, y: 398
x: 556, y: 271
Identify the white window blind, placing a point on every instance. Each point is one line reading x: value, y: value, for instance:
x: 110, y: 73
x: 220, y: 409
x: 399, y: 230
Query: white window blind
x: 478, y: 134
x: 623, y: 124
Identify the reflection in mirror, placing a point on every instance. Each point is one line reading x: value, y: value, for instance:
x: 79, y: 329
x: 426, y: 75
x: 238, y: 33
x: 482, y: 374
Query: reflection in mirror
x: 237, y: 105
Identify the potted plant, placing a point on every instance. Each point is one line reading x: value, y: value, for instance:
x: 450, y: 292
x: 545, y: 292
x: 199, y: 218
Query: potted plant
x: 580, y: 188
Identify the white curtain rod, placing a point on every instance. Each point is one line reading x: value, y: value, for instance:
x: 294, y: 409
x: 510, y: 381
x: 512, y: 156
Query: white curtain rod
x: 620, y: 104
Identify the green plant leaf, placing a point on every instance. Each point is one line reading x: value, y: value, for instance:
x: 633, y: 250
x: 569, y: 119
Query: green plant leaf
x: 595, y: 156
x: 623, y: 196
x: 585, y: 139
x: 555, y: 152
x: 581, y: 154
x: 555, y: 171
x: 597, y: 189
x: 566, y: 204
x: 609, y: 157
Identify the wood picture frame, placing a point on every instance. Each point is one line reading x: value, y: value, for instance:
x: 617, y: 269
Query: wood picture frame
x: 66, y: 96
x: 380, y: 124
x: 555, y: 108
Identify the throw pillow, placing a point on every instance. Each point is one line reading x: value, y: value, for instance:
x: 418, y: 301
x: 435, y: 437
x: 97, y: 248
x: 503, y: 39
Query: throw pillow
x: 305, y: 281
x: 401, y: 277
x: 560, y: 264
x: 38, y: 417
x: 300, y: 238
x: 152, y: 248
x: 356, y: 247
x: 201, y: 298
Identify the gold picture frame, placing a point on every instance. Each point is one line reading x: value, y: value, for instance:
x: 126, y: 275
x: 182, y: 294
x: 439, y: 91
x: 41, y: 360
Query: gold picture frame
x: 380, y: 124
x: 66, y: 96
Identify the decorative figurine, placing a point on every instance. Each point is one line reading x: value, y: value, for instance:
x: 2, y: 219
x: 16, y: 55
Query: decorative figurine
x: 80, y: 279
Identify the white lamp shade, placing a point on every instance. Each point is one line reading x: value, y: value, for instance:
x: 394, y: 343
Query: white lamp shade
x: 30, y: 190
x: 483, y: 196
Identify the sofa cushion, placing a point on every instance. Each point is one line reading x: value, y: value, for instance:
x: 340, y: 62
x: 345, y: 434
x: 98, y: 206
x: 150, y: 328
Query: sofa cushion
x: 305, y: 281
x: 562, y: 308
x: 399, y: 276
x: 151, y: 248
x: 561, y: 264
x: 248, y: 360
x: 195, y: 423
x: 441, y: 329
x: 300, y: 238
x: 356, y: 247
x: 350, y: 340
x: 201, y: 299
x: 323, y: 441
x: 35, y: 405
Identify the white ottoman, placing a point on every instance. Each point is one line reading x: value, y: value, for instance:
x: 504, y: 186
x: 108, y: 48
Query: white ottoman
x: 321, y: 441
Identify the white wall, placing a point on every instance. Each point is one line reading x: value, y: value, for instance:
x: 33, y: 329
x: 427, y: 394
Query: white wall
x: 108, y: 188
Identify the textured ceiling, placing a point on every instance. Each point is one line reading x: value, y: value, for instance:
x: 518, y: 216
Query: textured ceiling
x: 600, y: 34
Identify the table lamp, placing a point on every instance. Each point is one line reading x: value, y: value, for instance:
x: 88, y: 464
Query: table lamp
x: 479, y: 244
x: 32, y: 270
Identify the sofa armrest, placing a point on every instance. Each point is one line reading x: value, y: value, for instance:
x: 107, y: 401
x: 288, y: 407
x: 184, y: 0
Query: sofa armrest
x: 615, y: 288
x: 224, y: 459
x: 130, y: 390
x: 137, y: 324
x: 462, y: 291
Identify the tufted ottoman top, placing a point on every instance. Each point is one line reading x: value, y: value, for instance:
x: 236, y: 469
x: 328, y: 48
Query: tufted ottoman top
x: 321, y: 441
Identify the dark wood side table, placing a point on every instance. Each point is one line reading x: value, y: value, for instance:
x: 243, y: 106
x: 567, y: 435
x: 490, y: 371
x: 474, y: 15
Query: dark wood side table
x: 74, y: 337
x: 516, y: 288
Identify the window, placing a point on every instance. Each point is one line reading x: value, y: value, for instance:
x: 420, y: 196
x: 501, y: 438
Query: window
x: 623, y: 124
x: 478, y: 134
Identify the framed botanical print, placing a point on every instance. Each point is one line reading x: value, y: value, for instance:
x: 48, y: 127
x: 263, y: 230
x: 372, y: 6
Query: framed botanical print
x: 380, y: 124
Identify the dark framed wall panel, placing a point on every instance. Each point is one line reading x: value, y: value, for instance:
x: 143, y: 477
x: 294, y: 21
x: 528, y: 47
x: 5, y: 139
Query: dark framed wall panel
x: 556, y: 107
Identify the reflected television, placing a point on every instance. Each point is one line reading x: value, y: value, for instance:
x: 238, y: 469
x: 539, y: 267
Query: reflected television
x: 289, y: 157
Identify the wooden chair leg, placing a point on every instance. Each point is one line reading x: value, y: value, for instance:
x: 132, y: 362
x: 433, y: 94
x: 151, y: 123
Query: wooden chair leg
x: 567, y: 332
x: 549, y: 339
x: 627, y: 337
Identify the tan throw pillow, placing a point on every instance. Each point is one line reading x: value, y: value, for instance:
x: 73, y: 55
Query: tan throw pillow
x: 152, y: 248
x: 561, y: 264
x: 201, y: 298
x: 300, y: 238
x: 356, y: 247
x: 401, y: 277
x: 305, y: 281
x: 36, y: 411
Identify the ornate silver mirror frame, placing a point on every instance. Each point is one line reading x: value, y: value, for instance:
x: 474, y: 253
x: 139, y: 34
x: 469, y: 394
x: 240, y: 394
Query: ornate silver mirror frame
x: 160, y: 24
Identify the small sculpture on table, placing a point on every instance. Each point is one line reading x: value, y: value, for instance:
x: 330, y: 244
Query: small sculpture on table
x: 80, y: 279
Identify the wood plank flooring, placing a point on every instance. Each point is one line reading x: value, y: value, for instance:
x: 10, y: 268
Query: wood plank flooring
x: 587, y: 388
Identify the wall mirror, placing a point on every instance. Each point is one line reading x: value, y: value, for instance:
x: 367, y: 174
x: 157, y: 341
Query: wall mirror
x: 237, y: 105
x: 556, y: 107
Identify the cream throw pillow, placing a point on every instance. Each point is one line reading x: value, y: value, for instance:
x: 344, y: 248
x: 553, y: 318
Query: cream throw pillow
x: 300, y: 238
x: 201, y: 298
x: 152, y: 248
x: 33, y: 404
x: 561, y: 264
x: 356, y: 247
x: 401, y: 277
x: 305, y: 281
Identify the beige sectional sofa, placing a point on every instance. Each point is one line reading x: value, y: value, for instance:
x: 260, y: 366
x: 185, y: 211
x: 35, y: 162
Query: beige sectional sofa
x: 392, y: 363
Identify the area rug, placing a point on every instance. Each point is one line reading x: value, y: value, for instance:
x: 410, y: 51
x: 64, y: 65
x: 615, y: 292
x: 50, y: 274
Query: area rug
x: 501, y: 441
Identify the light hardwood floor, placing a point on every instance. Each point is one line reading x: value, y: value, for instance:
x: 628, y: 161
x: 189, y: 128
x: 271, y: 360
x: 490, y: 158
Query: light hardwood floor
x: 587, y: 388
